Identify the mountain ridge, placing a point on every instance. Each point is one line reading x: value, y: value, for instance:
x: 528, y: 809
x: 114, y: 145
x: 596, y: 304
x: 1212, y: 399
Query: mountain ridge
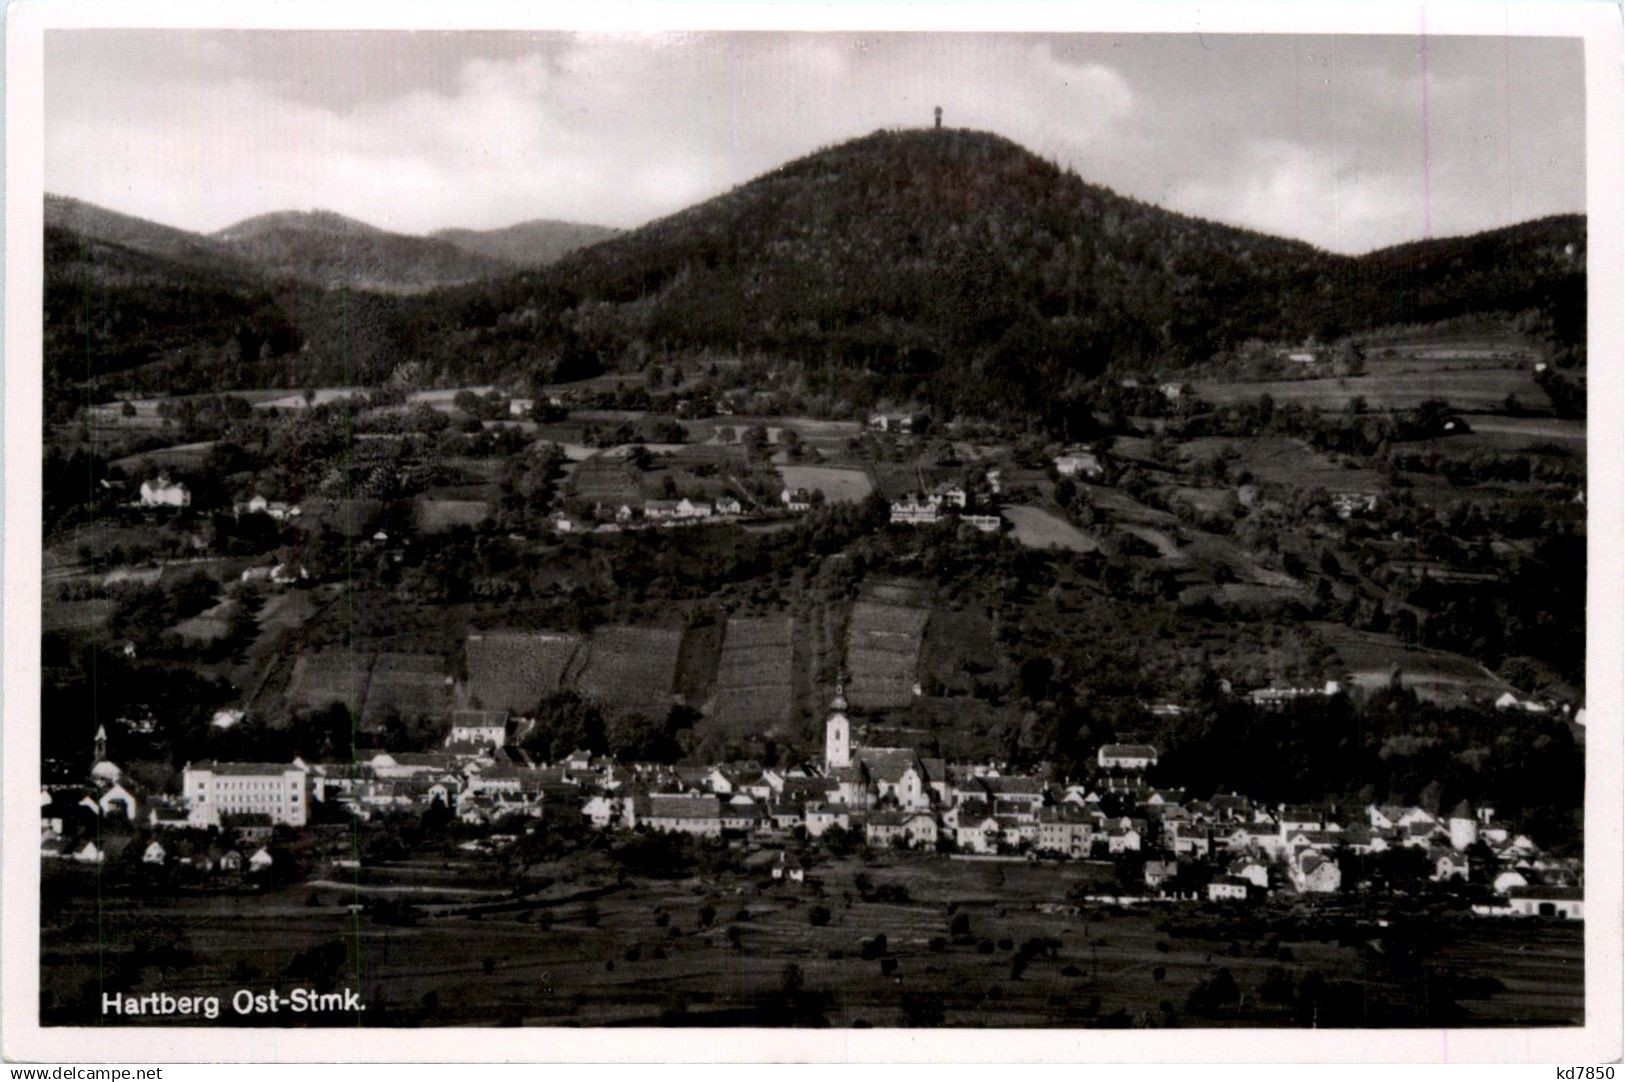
x: 948, y: 265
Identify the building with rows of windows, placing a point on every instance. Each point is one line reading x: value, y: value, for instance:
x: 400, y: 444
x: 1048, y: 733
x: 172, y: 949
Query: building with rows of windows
x: 213, y: 789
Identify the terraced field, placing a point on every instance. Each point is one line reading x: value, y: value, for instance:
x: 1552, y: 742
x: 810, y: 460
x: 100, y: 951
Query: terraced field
x: 433, y: 515
x: 631, y: 668
x: 1466, y: 387
x: 407, y: 685
x: 755, y: 691
x: 514, y: 670
x: 883, y: 653
x: 605, y: 480
x: 324, y: 677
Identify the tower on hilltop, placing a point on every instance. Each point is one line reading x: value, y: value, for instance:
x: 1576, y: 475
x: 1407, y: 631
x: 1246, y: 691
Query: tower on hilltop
x: 939, y: 117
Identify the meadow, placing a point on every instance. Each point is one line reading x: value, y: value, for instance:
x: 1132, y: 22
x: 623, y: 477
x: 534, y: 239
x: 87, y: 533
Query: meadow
x: 585, y: 950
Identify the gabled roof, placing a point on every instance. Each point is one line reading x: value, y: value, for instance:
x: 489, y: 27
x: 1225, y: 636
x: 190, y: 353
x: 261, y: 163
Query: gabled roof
x: 481, y: 719
x: 679, y: 806
x: 885, y: 764
x: 1134, y: 751
x: 1014, y: 784
x: 1552, y: 894
x: 251, y: 769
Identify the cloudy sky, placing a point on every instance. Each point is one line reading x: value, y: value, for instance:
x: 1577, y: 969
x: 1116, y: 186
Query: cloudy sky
x: 1350, y: 143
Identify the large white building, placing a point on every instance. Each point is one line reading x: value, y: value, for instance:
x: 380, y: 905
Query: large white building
x: 213, y: 789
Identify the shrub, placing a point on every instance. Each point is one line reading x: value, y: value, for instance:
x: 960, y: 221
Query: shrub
x: 985, y: 947
x: 960, y: 925
x: 888, y: 966
x: 818, y: 916
x: 872, y: 948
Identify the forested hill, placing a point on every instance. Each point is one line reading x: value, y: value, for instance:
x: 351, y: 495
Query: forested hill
x: 329, y: 249
x: 962, y: 257
x: 527, y: 244
x: 945, y: 260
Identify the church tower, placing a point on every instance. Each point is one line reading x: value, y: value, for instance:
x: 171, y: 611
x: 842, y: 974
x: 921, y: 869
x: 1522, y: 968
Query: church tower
x: 837, y: 734
x: 100, y: 750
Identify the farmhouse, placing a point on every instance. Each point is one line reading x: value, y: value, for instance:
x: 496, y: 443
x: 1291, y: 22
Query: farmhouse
x: 1126, y: 756
x: 1277, y: 698
x: 659, y: 510
x: 1349, y: 504
x: 280, y: 510
x: 821, y: 817
x: 796, y: 499
x: 693, y: 509
x: 902, y: 829
x: 478, y: 727
x: 891, y: 422
x: 1315, y: 873
x: 1565, y: 903
x: 1448, y: 865
x: 1065, y: 829
x: 162, y: 492
x: 677, y: 813
x: 1076, y: 463
x: 916, y: 510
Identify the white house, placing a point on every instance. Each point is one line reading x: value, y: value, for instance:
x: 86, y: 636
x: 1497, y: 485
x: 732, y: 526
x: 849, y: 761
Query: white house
x: 1073, y: 463
x: 162, y: 492
x: 1566, y: 903
x: 1315, y: 873
x: 820, y: 817
x: 692, y: 509
x: 478, y: 727
x: 1126, y: 756
x: 1227, y: 888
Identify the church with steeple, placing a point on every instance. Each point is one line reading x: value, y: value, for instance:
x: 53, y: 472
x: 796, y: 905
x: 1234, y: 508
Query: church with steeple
x: 837, y: 734
x: 870, y: 775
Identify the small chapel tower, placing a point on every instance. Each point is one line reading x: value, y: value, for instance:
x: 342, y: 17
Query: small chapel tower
x: 99, y: 752
x: 837, y: 734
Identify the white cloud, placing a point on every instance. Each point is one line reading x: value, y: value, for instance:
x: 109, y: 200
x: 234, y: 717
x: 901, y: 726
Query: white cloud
x: 435, y: 132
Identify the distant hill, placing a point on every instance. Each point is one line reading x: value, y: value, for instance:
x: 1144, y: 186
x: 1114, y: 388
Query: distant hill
x: 331, y: 250
x: 527, y: 244
x: 96, y: 223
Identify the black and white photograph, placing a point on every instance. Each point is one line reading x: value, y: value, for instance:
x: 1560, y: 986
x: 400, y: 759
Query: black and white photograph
x: 787, y: 529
